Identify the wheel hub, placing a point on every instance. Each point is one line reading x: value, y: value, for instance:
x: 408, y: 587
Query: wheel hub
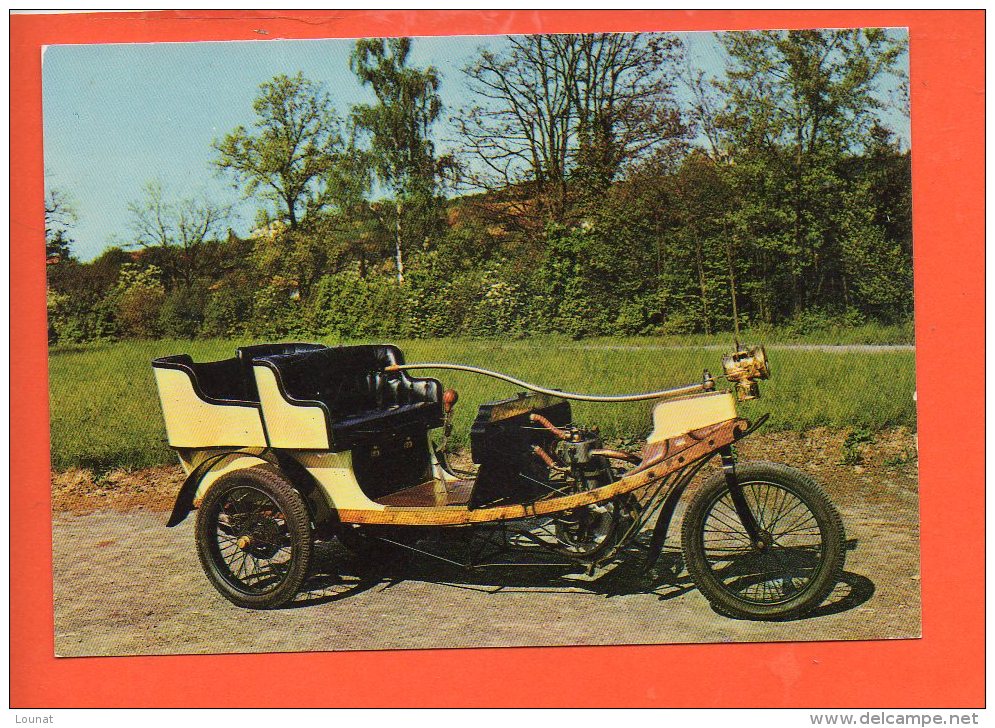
x: 763, y: 541
x: 263, y: 539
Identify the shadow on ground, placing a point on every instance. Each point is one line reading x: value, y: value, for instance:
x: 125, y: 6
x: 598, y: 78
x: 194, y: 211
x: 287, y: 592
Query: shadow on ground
x: 338, y: 573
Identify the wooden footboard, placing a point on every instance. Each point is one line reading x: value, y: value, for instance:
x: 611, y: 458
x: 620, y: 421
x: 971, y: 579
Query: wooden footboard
x: 659, y: 461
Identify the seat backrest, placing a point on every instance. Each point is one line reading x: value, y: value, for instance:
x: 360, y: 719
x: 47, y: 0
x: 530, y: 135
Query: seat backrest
x: 245, y: 355
x: 225, y: 380
x: 212, y: 380
x: 206, y: 404
x: 351, y: 379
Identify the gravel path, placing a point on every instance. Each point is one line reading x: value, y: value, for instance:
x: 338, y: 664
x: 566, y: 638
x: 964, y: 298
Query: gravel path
x: 126, y: 585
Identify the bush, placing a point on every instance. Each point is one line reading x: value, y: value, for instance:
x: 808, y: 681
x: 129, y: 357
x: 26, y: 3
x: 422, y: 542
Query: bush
x: 344, y: 305
x: 681, y: 324
x: 500, y: 310
x: 228, y: 311
x: 276, y: 310
x: 138, y: 299
x: 183, y: 311
x: 441, y: 305
x: 74, y: 319
x: 818, y: 320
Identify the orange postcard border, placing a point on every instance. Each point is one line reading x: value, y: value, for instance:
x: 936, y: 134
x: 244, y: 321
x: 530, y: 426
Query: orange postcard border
x: 944, y: 668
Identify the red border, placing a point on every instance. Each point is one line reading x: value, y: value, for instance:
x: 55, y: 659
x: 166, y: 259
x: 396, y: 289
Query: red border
x: 944, y: 668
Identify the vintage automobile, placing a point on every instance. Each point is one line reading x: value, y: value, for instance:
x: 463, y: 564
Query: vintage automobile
x: 288, y: 443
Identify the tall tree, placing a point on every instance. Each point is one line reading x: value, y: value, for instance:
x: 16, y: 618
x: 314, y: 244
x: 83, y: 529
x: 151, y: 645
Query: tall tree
x: 291, y: 153
x: 799, y: 103
x: 623, y: 92
x: 177, y: 230
x: 520, y: 128
x: 399, y: 125
x: 553, y: 110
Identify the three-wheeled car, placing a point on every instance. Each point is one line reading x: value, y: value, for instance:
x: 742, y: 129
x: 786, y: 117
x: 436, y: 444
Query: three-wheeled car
x: 288, y: 443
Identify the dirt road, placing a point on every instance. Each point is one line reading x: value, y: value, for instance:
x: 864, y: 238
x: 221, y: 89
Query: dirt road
x: 124, y: 584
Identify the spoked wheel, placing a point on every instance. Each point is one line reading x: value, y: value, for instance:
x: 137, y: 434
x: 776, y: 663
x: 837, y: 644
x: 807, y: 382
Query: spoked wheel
x: 254, y: 538
x: 795, y: 559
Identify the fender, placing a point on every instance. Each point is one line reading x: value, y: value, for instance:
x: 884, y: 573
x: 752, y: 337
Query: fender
x: 322, y: 514
x: 188, y: 491
x: 302, y: 480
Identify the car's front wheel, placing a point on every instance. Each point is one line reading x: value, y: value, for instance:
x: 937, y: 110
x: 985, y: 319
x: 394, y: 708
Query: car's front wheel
x: 791, y: 564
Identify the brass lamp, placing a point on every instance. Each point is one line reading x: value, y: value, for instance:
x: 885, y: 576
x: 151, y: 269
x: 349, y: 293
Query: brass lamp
x: 745, y: 368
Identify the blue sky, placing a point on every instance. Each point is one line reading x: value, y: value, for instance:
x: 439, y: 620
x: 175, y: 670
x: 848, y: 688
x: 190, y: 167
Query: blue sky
x: 118, y: 116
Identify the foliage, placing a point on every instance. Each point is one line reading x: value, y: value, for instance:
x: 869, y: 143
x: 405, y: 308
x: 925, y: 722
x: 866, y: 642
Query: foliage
x: 558, y: 112
x: 276, y: 310
x: 289, y: 156
x: 346, y: 305
x: 60, y: 216
x: 224, y: 313
x: 600, y: 202
x: 74, y: 320
x: 138, y: 298
x: 853, y: 445
x: 399, y: 126
x: 798, y: 106
x: 185, y: 225
x: 183, y: 311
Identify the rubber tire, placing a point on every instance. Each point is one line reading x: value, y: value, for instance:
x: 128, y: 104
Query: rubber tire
x: 826, y: 515
x: 269, y: 480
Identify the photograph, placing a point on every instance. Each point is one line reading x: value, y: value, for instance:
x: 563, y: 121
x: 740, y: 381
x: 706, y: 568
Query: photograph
x: 548, y: 339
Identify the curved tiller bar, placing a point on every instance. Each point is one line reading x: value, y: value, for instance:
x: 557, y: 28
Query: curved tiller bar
x: 706, y: 385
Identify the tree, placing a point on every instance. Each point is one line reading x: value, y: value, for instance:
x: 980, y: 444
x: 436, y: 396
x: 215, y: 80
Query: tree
x: 399, y: 126
x: 520, y: 128
x: 290, y: 155
x: 798, y: 105
x: 59, y: 217
x: 623, y: 92
x: 178, y: 229
x: 559, y: 109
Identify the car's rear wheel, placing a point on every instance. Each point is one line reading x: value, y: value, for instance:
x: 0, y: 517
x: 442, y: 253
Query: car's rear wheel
x: 254, y: 538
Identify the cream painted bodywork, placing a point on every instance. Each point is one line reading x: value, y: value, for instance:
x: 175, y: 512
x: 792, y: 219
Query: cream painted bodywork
x: 335, y: 475
x: 333, y: 472
x: 192, y: 422
x: 236, y: 461
x: 678, y: 416
x: 289, y: 426
x: 194, y: 426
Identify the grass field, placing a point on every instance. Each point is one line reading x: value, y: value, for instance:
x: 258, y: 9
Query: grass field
x: 105, y: 410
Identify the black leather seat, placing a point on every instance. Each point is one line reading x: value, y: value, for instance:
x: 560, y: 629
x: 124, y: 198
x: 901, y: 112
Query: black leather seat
x: 361, y: 401
x: 245, y: 355
x: 216, y: 382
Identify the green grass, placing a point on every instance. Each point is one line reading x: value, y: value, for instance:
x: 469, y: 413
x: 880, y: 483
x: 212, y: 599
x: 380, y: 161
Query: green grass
x: 834, y: 335
x: 105, y: 411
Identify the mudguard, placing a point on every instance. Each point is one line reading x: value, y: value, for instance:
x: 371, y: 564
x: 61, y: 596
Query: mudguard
x: 185, y: 498
x: 303, y: 481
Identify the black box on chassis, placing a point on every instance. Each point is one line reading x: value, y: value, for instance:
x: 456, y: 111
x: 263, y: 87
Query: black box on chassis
x: 502, y: 440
